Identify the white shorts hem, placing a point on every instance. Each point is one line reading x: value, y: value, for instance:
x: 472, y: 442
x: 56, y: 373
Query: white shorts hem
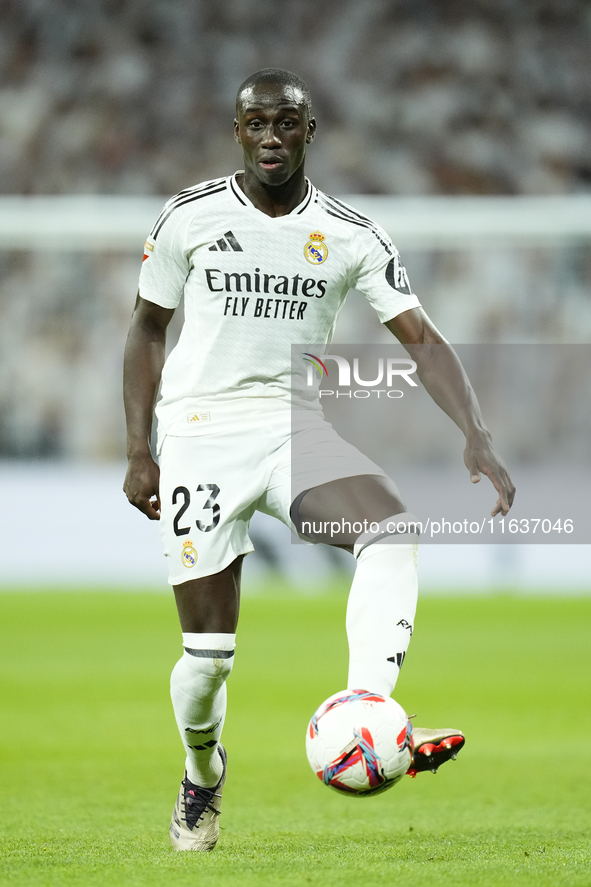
x: 197, y: 574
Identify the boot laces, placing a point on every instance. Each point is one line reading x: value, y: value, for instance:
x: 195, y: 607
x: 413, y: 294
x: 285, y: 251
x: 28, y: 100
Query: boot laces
x: 197, y: 801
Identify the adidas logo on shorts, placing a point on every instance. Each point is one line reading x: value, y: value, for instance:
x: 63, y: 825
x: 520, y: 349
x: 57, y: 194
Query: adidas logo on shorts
x: 199, y: 417
x: 225, y: 243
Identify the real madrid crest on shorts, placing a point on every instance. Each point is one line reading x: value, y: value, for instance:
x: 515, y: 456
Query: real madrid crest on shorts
x: 189, y: 555
x: 316, y: 251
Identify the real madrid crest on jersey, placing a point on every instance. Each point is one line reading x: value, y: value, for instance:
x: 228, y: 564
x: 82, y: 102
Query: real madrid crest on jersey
x: 316, y: 251
x: 188, y: 555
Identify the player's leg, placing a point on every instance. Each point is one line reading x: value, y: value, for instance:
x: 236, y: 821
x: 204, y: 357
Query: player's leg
x: 382, y: 600
x: 207, y: 498
x: 366, y: 515
x: 329, y: 512
x: 208, y: 612
x: 307, y: 486
x: 210, y: 603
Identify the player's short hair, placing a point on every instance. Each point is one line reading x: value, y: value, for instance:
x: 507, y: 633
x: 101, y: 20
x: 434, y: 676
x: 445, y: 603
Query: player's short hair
x: 276, y: 75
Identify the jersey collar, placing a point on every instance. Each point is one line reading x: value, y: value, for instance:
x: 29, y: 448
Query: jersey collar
x: 241, y: 197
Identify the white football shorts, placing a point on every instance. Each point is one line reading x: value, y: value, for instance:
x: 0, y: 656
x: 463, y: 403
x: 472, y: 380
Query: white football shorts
x: 236, y: 463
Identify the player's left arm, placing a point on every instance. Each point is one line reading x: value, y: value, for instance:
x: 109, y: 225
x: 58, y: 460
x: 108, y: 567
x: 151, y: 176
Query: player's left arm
x: 442, y: 374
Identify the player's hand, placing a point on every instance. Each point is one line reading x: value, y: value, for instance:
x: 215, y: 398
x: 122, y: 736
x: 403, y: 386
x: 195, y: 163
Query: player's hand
x: 141, y: 485
x: 480, y: 458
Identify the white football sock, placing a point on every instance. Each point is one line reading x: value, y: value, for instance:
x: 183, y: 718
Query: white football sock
x: 198, y: 692
x: 381, y: 608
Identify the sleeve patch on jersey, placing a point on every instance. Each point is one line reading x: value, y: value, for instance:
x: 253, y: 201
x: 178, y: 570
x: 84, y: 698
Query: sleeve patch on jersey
x: 397, y: 277
x: 148, y: 248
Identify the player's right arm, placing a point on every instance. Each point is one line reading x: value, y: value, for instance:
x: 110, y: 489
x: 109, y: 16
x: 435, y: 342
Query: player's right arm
x: 142, y: 368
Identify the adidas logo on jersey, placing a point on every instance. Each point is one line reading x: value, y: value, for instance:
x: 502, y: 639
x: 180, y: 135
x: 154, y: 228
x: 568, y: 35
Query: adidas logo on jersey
x: 225, y: 243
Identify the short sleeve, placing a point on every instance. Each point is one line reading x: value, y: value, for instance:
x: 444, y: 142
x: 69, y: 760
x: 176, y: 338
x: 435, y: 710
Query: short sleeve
x: 165, y: 266
x: 381, y: 276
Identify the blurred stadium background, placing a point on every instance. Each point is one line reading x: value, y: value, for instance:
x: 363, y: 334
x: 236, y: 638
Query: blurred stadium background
x: 463, y: 127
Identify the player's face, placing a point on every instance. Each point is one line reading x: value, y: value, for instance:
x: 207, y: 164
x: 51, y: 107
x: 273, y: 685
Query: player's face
x: 273, y: 129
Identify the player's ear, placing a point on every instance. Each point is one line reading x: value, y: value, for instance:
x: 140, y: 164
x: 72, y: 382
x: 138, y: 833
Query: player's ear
x: 311, y: 129
x: 237, y: 131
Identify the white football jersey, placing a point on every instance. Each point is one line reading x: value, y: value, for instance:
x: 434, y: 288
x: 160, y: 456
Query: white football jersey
x: 253, y: 286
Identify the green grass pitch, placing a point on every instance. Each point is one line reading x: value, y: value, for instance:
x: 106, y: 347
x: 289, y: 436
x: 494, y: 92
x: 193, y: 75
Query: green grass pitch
x: 90, y: 761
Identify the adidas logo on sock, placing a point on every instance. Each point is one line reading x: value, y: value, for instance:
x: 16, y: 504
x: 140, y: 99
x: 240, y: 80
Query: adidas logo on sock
x: 225, y: 243
x: 398, y: 659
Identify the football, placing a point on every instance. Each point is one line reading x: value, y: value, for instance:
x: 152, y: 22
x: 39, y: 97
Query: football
x: 359, y: 742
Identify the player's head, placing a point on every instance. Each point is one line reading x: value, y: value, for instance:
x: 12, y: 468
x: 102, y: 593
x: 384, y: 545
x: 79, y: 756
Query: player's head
x: 275, y: 77
x: 273, y: 124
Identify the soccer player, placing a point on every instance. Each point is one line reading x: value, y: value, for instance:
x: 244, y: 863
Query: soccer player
x: 264, y: 259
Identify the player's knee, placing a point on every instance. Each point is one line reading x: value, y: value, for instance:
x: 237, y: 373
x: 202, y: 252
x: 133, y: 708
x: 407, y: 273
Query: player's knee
x: 398, y: 529
x: 198, y: 678
x: 213, y: 668
x: 209, y: 663
x: 206, y: 662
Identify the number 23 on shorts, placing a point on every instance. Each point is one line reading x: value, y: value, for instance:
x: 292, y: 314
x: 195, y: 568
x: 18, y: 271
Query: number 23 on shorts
x: 183, y: 496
